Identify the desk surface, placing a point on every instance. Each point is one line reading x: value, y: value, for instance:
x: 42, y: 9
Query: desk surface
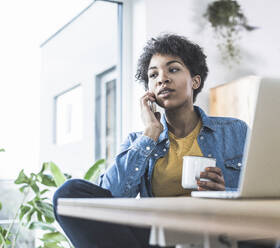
x: 238, y: 218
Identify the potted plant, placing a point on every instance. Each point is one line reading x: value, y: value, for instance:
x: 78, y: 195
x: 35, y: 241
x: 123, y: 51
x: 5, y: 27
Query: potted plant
x: 36, y: 209
x: 228, y: 21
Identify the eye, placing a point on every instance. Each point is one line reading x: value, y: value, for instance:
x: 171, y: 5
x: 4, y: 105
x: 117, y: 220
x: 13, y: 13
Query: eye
x: 153, y: 75
x: 173, y: 69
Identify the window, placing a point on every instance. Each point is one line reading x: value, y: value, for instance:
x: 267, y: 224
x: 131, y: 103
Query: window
x: 106, y: 115
x: 87, y: 49
x: 68, y: 116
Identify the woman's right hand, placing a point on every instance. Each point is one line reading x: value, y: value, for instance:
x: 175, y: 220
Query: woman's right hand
x: 153, y: 126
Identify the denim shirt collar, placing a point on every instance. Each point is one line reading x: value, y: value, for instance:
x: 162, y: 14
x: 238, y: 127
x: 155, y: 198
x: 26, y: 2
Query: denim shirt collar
x: 206, y: 122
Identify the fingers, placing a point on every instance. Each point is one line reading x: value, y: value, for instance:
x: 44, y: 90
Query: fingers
x: 149, y: 118
x: 215, y: 175
x: 202, y: 189
x: 215, y: 170
x: 147, y: 96
x: 209, y: 185
x: 212, y: 176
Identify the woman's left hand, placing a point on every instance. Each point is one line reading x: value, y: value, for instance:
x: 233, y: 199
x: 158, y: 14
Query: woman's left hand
x: 216, y: 182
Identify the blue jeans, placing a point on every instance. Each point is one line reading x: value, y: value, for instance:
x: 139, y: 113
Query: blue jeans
x: 95, y: 234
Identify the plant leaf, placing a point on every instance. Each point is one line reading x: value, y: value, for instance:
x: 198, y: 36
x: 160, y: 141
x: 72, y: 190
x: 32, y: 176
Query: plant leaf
x: 41, y: 225
x: 59, y: 178
x: 45, y: 166
x: 22, y: 178
x: 49, y: 220
x: 54, y: 237
x: 46, y: 209
x: 91, y: 173
x: 35, y: 187
x: 48, y: 180
x: 39, y: 216
x: 29, y: 215
x: 23, y: 210
x: 0, y: 205
x: 44, y: 191
x: 51, y: 245
x: 4, y: 242
x: 2, y: 150
x: 31, y: 202
x: 21, y: 189
x: 68, y: 176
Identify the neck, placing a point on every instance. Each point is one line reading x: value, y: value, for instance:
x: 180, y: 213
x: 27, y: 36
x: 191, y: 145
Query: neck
x: 181, y: 121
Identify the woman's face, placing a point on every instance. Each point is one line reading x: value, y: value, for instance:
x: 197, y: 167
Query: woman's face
x: 171, y: 81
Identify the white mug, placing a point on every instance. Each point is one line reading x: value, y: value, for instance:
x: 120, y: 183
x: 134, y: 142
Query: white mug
x: 192, y: 166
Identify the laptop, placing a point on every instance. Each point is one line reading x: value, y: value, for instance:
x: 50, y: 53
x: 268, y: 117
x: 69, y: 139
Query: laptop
x: 260, y: 174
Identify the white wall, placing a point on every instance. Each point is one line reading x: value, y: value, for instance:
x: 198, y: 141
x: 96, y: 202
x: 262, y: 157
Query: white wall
x: 260, y: 48
x: 24, y: 26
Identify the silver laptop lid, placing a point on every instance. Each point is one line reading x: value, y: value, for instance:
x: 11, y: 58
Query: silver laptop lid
x: 262, y: 149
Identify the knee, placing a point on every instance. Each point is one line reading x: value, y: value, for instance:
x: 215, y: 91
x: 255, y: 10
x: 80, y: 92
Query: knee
x: 79, y: 188
x: 66, y: 190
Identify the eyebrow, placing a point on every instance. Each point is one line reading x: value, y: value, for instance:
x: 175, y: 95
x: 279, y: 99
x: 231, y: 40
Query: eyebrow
x: 168, y: 63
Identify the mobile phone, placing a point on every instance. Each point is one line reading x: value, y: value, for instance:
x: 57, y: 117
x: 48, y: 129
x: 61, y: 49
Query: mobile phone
x: 153, y: 106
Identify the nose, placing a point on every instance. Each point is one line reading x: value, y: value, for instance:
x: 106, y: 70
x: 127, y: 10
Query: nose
x: 163, y: 78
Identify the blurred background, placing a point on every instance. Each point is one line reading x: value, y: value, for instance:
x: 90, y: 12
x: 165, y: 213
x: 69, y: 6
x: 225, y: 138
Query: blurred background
x: 67, y: 88
x: 62, y: 60
x: 24, y: 26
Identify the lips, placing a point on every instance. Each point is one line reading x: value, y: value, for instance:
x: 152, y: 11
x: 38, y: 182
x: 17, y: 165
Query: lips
x: 165, y: 91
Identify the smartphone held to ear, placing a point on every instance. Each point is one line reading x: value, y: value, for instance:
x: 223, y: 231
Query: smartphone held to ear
x: 152, y: 106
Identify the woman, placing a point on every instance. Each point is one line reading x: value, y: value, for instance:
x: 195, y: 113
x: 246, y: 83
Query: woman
x: 173, y: 71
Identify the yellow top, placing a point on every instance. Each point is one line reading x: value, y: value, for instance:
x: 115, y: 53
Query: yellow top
x: 167, y: 174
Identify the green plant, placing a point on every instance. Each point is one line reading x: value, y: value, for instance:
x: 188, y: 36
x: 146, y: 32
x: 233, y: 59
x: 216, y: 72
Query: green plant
x: 228, y: 20
x: 4, y: 237
x: 36, y: 209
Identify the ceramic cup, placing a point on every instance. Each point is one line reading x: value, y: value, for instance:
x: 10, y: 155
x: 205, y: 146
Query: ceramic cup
x: 192, y: 166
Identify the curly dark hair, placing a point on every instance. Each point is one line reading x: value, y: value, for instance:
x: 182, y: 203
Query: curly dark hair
x: 178, y: 46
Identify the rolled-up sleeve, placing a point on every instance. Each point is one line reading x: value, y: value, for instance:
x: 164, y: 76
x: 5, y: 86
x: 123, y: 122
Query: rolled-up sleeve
x: 123, y: 177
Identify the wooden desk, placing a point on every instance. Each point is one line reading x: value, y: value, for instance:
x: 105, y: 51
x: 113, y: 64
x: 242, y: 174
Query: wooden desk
x: 240, y: 219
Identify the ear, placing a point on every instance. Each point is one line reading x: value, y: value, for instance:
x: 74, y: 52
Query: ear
x: 196, y: 81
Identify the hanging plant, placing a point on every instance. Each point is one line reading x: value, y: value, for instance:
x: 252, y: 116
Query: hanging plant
x: 228, y: 20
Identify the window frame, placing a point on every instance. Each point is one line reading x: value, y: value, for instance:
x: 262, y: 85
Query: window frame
x: 100, y: 109
x: 124, y: 74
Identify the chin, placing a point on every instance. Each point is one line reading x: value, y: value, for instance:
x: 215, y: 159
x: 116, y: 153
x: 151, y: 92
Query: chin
x: 169, y: 106
x: 162, y: 104
x: 173, y: 105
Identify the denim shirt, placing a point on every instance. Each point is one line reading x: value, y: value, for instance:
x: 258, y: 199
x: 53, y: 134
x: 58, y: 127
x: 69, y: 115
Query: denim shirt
x: 131, y: 173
